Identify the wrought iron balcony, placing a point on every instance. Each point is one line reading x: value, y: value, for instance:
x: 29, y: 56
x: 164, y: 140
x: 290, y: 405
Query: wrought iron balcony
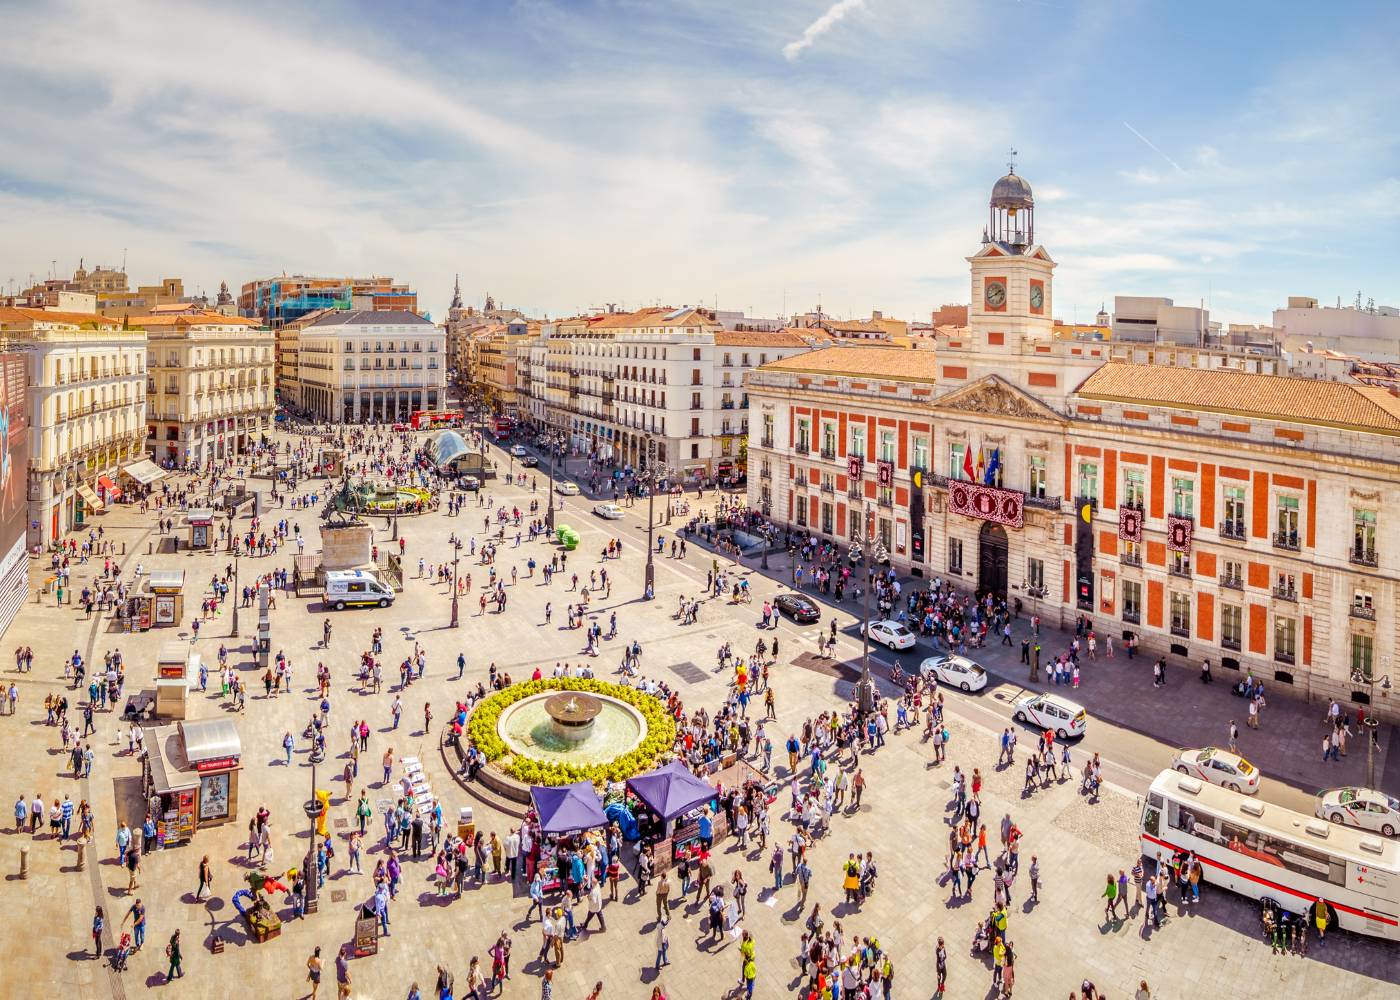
x: 829, y: 454
x: 1284, y: 657
x: 1286, y: 593
x: 1131, y: 558
x: 1226, y: 642
x: 1233, y: 582
x: 1363, y: 612
x: 1233, y: 529
x: 1362, y: 556
x: 1286, y: 540
x: 1132, y: 617
x: 1183, y: 570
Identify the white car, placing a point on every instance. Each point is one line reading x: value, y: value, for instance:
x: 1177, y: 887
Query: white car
x: 1219, y: 767
x: 1049, y: 711
x: 608, y: 511
x: 955, y: 671
x: 518, y: 450
x: 891, y: 634
x: 1363, y: 807
x: 566, y: 489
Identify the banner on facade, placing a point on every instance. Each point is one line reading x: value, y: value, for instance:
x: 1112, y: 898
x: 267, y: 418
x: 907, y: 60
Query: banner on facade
x: 1179, y: 532
x: 884, y: 472
x: 986, y: 503
x: 1130, y: 524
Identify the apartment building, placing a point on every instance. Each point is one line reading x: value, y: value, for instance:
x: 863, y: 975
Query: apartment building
x: 371, y: 366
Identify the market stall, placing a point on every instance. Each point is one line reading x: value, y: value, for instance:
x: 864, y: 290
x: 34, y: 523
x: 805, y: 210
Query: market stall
x: 670, y: 805
x: 177, y: 672
x: 190, y: 777
x: 568, y: 816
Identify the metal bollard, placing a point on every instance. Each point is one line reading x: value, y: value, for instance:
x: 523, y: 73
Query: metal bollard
x: 24, y: 862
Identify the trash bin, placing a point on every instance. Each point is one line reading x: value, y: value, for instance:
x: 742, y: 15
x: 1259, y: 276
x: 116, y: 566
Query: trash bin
x: 466, y: 824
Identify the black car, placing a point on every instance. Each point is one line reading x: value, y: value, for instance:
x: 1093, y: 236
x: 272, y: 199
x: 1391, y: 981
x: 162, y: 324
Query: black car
x: 529, y: 461
x: 802, y: 610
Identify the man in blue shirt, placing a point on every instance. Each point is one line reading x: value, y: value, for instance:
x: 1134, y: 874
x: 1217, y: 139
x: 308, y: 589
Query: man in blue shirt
x: 707, y: 839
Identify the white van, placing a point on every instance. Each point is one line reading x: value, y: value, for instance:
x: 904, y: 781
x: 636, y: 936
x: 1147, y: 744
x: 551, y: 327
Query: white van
x: 356, y: 586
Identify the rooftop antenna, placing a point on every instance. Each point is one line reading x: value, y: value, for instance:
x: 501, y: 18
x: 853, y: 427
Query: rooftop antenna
x: 123, y: 260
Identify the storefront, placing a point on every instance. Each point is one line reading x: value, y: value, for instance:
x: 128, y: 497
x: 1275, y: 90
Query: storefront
x: 107, y: 490
x: 190, y: 777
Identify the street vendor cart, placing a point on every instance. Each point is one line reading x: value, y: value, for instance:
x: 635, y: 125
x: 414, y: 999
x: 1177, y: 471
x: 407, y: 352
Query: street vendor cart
x: 190, y: 777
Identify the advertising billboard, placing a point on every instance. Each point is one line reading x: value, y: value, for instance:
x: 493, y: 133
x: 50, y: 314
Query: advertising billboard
x: 14, y: 472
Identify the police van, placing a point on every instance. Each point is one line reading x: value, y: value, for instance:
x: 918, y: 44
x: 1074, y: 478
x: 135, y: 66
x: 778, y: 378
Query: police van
x: 356, y: 586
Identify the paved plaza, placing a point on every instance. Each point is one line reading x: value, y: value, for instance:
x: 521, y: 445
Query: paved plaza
x: 1213, y: 949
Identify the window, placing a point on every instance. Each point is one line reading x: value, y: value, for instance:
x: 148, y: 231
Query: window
x: 1232, y: 574
x: 695, y: 376
x: 1363, y: 537
x: 955, y: 461
x: 1035, y: 577
x: 1286, y: 587
x: 828, y: 440
x: 1181, y: 614
x: 1132, y: 601
x: 1088, y: 480
x: 1183, y: 497
x: 804, y: 434
x: 887, y: 446
x: 1181, y: 563
x: 1285, y: 639
x: 800, y: 505
x: 1235, y: 505
x: 855, y: 533
x: 858, y: 442
x: 1134, y: 489
x: 727, y: 359
x: 955, y: 555
x: 827, y: 518
x: 767, y: 426
x: 921, y: 452
x: 1037, y: 476
x: 1362, y: 656
x: 886, y: 534
x: 695, y: 355
x: 1286, y: 530
x: 1363, y: 605
x: 1231, y: 626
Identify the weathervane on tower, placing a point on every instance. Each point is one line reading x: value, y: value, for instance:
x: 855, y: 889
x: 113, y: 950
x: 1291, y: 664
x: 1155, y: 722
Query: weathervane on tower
x: 1011, y: 163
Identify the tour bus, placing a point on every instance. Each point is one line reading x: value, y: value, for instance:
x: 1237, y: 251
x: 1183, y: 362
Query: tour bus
x: 423, y: 420
x: 1265, y: 851
x: 358, y: 587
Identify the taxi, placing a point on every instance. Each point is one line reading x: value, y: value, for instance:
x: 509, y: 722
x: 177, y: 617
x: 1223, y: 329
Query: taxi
x: 1219, y: 767
x: 1361, y: 807
x: 1063, y: 717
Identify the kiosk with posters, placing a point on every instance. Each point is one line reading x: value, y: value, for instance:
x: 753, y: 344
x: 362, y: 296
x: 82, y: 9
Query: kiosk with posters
x: 167, y: 605
x: 190, y: 777
x: 177, y: 671
x: 201, y: 525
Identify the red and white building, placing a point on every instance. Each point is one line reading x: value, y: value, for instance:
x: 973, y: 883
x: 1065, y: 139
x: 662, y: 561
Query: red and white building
x: 1252, y: 519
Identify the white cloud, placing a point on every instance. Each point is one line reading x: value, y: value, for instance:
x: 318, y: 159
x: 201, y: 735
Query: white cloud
x: 833, y: 16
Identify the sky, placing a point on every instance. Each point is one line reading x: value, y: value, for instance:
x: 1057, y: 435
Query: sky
x: 769, y: 157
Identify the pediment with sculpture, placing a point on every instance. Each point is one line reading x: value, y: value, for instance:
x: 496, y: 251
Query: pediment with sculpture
x: 996, y: 396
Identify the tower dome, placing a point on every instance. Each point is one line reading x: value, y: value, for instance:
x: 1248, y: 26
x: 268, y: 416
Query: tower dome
x: 1012, y: 191
x: 1011, y: 223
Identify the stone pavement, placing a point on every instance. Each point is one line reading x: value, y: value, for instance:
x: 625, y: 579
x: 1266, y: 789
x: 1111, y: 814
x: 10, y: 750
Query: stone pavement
x: 46, y: 919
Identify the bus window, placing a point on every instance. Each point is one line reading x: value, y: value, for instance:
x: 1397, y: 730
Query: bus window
x: 1152, y: 815
x: 1306, y: 861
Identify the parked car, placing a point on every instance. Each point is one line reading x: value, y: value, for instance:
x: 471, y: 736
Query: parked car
x: 469, y: 483
x: 892, y: 635
x: 529, y: 461
x: 1049, y: 711
x: 608, y: 511
x: 800, y: 609
x: 518, y: 450
x: 1362, y: 807
x: 955, y: 671
x: 1219, y: 767
x: 567, y: 489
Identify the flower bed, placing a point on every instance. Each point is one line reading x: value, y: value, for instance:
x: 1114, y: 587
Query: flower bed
x: 657, y: 742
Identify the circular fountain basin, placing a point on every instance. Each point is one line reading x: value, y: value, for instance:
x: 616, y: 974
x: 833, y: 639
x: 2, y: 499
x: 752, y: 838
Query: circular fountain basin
x: 571, y: 727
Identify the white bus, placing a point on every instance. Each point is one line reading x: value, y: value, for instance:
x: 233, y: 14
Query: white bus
x: 1265, y: 851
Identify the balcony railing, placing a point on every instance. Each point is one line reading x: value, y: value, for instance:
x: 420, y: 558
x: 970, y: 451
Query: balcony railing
x: 1183, y: 570
x: 1284, y: 657
x: 1286, y: 593
x: 727, y: 405
x: 800, y: 483
x: 1363, y: 612
x: 1131, y: 559
x: 1043, y: 503
x: 1132, y: 616
x: 1233, y: 529
x: 1181, y: 631
x: 1133, y: 505
x: 1362, y: 556
x: 1227, y: 642
x: 885, y: 501
x: 855, y: 493
x: 766, y: 441
x: 829, y: 488
x: 1286, y: 540
x: 829, y: 454
x: 765, y: 472
x: 1233, y: 582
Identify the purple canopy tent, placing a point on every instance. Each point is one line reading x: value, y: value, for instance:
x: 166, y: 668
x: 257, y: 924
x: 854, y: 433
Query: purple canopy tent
x: 568, y: 808
x: 671, y: 790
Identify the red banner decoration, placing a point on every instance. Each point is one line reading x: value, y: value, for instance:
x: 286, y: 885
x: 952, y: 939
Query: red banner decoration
x: 987, y: 503
x: 1179, y: 532
x: 1130, y: 524
x: 884, y: 474
x: 854, y: 466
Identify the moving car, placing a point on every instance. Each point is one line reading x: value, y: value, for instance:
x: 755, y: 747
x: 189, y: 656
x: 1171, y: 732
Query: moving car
x: 1219, y: 767
x: 356, y: 587
x: 1049, y: 711
x: 955, y: 671
x: 567, y: 489
x: 518, y: 450
x: 468, y: 483
x: 802, y: 610
x: 1362, y: 807
x: 891, y: 634
x: 529, y: 462
x: 608, y: 511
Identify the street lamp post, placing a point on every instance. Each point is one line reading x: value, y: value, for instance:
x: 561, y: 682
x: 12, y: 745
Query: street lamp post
x: 237, y: 596
x: 1373, y: 724
x: 650, y: 587
x: 456, y: 554
x: 309, y: 872
x: 549, y: 511
x: 865, y: 687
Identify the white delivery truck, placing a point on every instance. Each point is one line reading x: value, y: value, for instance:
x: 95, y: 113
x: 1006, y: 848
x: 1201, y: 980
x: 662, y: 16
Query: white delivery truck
x: 356, y: 586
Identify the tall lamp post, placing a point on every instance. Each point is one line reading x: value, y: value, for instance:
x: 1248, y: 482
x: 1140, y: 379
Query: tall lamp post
x: 549, y: 445
x: 1373, y: 724
x: 309, y: 870
x: 456, y: 554
x: 865, y: 687
x: 650, y: 587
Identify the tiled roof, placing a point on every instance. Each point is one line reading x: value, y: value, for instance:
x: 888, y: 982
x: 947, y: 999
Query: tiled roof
x: 1267, y: 397
x: 654, y: 316
x: 19, y: 314
x: 874, y: 361
x: 193, y: 319
x: 373, y: 317
x: 765, y: 338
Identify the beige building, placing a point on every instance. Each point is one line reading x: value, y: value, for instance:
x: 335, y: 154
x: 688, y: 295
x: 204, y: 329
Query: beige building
x: 371, y: 366
x: 87, y: 402
x: 209, y: 387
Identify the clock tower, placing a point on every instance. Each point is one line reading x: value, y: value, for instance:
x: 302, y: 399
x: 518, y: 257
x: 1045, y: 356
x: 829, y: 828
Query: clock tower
x: 1011, y: 274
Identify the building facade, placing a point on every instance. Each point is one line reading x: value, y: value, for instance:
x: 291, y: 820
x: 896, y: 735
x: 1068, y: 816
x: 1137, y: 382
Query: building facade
x: 209, y: 387
x: 87, y: 412
x: 1213, y: 514
x: 371, y: 366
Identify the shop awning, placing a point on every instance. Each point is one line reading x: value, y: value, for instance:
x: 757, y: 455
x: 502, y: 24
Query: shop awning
x: 568, y: 808
x: 671, y: 790
x: 113, y: 490
x: 89, y: 497
x: 144, y: 472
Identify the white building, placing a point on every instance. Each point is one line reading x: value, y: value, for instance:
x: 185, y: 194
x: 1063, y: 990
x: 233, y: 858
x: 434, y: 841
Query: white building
x: 87, y: 412
x: 1363, y: 333
x: 210, y: 386
x: 1147, y: 319
x: 368, y: 366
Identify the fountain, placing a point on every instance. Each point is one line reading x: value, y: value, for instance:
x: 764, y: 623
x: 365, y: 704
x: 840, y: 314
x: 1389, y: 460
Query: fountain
x: 571, y: 727
x: 573, y: 715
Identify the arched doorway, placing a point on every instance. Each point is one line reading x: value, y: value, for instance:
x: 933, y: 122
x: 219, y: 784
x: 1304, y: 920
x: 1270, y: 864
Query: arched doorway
x: 992, y: 560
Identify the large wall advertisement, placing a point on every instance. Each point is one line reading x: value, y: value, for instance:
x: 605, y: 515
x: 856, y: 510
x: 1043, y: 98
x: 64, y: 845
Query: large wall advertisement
x: 14, y: 472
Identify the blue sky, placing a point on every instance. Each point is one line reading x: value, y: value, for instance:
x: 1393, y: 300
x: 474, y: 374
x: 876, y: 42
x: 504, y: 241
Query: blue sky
x: 561, y: 155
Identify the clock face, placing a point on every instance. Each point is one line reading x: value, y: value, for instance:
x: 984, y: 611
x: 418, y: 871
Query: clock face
x: 996, y: 294
x: 1037, y: 297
